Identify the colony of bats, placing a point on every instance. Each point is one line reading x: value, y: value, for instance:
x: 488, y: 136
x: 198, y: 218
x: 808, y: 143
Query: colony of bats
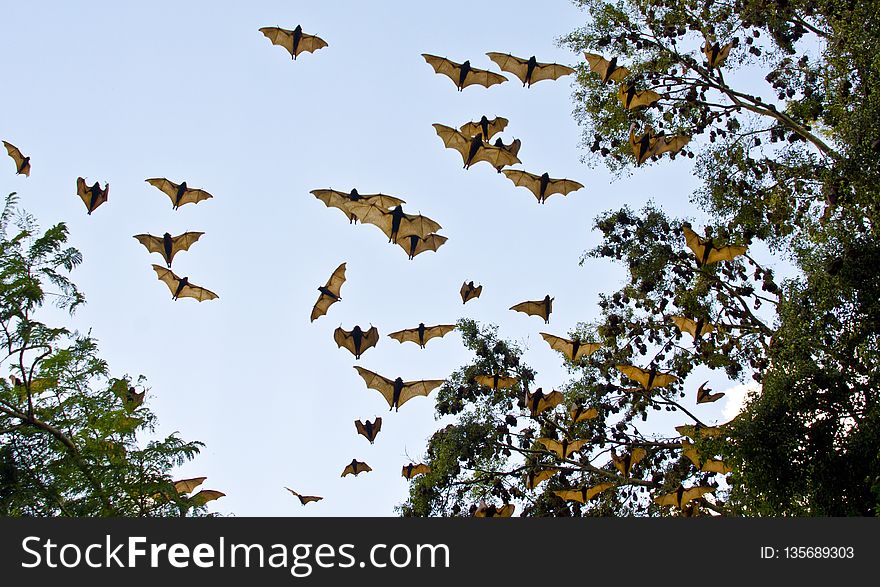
x: 416, y: 234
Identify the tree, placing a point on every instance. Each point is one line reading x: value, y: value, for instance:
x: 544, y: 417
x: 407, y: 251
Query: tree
x: 788, y: 158
x: 68, y: 430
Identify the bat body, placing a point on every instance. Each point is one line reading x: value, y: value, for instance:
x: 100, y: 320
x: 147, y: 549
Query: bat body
x: 411, y: 470
x: 344, y: 201
x: 572, y: 349
x: 563, y: 449
x: 695, y: 328
x: 584, y: 494
x: 706, y: 251
x: 648, y: 379
x: 540, y: 308
x: 167, y: 245
x: 534, y: 478
x: 484, y: 126
x: 474, y: 149
x: 355, y: 468
x: 356, y: 341
x: 689, y: 451
x: 543, y: 186
x: 529, y: 71
x: 538, y: 402
x: 368, y: 429
x: 462, y: 74
x: 469, y: 291
x: 395, y: 223
x: 633, y: 98
x: 624, y: 463
x: 705, y: 395
x: 496, y: 381
x: 295, y: 41
x: 397, y: 392
x: 330, y: 292
x: 422, y: 334
x: 304, y: 499
x: 92, y: 196
x: 181, y: 287
x: 22, y: 163
x: 680, y: 497
x: 490, y: 511
x: 716, y: 54
x: 607, y: 70
x: 415, y: 245
x: 180, y: 194
x: 580, y: 414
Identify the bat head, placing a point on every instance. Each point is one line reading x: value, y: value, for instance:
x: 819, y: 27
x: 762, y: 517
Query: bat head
x: 354, y: 196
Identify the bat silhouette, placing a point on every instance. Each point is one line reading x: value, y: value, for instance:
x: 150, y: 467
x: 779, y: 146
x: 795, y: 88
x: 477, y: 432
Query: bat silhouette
x: 343, y: 201
x: 295, y: 41
x: 415, y: 245
x: 496, y: 381
x: 485, y: 127
x: 680, y: 497
x: 580, y: 414
x: 130, y: 397
x: 462, y: 74
x: 304, y: 499
x: 180, y: 194
x: 490, y: 511
x: 22, y: 163
x: 715, y: 53
x: 563, y: 449
x: 543, y: 186
x: 395, y: 223
x: 512, y: 148
x: 572, y: 349
x: 529, y: 71
x: 397, y: 392
x: 633, y: 98
x: 705, y: 395
x: 537, y: 402
x: 330, y: 292
x: 469, y: 292
x: 356, y: 341
x: 689, y: 451
x: 355, y: 468
x: 368, y: 429
x: 92, y: 196
x: 695, y: 328
x: 411, y: 470
x: 422, y: 334
x: 648, y: 379
x: 474, y: 149
x: 607, y: 70
x: 625, y: 462
x: 705, y: 249
x: 167, y: 245
x: 584, y: 494
x: 181, y: 287
x: 540, y: 308
x: 534, y: 478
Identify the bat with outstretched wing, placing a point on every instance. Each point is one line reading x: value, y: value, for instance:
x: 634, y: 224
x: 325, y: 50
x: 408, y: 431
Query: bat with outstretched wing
x: 411, y: 470
x: 534, y: 478
x: 491, y: 511
x: 469, y: 291
x: 167, y: 245
x: 415, y: 245
x: 538, y: 402
x: 572, y: 349
x: 304, y: 499
x: 529, y: 71
x: 343, y: 201
x: 564, y: 448
x: 584, y: 494
x: 708, y: 252
x: 649, y: 379
x: 397, y: 391
x: 607, y: 70
x: 368, y: 429
x: 624, y: 463
x: 689, y: 451
x: 540, y: 308
x: 485, y: 127
x: 181, y: 287
x: 695, y: 328
x: 355, y: 468
x: 633, y: 98
x: 716, y: 54
x: 474, y: 149
x: 680, y: 497
x: 295, y: 41
x: 22, y: 163
x: 395, y: 223
x: 92, y: 196
x: 330, y: 292
x: 641, y: 145
x: 581, y: 414
x: 422, y: 334
x: 462, y: 74
x: 512, y: 148
x: 187, y: 485
x: 496, y: 381
x: 542, y: 186
x: 356, y: 341
x: 180, y: 194
x: 206, y: 495
x: 705, y: 395
x: 668, y: 144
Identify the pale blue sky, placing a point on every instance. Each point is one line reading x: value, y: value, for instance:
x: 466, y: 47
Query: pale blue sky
x: 121, y: 92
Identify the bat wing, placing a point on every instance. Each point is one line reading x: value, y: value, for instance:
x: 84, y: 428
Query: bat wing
x: 533, y: 479
x: 633, y: 99
x: 154, y: 244
x: 600, y: 65
x: 525, y: 179
x: 334, y: 199
x: 685, y: 325
x: 489, y: 381
x: 206, y: 495
x: 672, y: 144
x: 334, y: 285
x: 550, y: 71
x: 310, y: 43
x: 728, y: 253
x: 705, y: 395
x: 553, y: 446
x: 551, y: 400
x: 694, y: 242
x: 515, y: 65
x: 408, y: 335
x: 634, y: 373
x: 187, y: 485
x: 562, y: 186
x: 694, y: 493
x: 468, y: 294
x: 369, y: 214
x: 344, y: 339
x: 443, y: 66
x: 452, y: 139
x: 279, y: 36
x: 701, y: 431
x: 168, y: 187
x: 597, y: 489
x: 432, y: 242
x: 574, y: 447
x: 421, y: 469
x: 482, y: 77
x: 369, y: 339
x: 495, y: 126
x: 497, y: 157
x: 578, y: 414
x: 167, y: 277
x: 379, y: 383
x: 21, y: 164
x: 413, y: 389
x: 531, y: 308
x: 194, y: 196
x: 440, y: 330
x: 416, y: 224
x: 182, y: 243
x: 199, y: 293
x: 382, y: 200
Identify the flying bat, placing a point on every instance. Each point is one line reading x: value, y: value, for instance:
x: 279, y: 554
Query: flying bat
x: 534, y: 478
x: 529, y: 71
x: 181, y: 287
x: 415, y: 245
x: 706, y: 251
x: 680, y: 497
x: 295, y: 41
x: 167, y: 245
x: 469, y: 292
x: 608, y: 70
x: 369, y: 430
x: 304, y: 499
x: 206, y: 495
x: 474, y: 149
x: 625, y: 462
x: 538, y: 402
x: 716, y: 54
x: 92, y: 196
x: 22, y: 163
x: 563, y: 449
x: 485, y: 127
x: 343, y: 201
x: 695, y: 328
x: 705, y: 395
x: 330, y: 292
x: 462, y: 74
x: 355, y: 468
x: 490, y: 511
x: 356, y: 341
x: 540, y: 308
x: 633, y: 98
x: 579, y: 414
x: 584, y: 494
x: 395, y: 223
x: 397, y: 392
x: 668, y: 144
x: 130, y: 397
x: 543, y: 186
x: 180, y: 194
x: 512, y: 148
x: 496, y: 381
x: 572, y: 349
x: 706, y: 465
x: 411, y: 470
x: 641, y: 145
x: 422, y: 334
x: 648, y: 379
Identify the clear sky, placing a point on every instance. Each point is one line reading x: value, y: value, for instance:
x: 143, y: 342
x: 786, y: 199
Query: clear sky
x: 120, y: 92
